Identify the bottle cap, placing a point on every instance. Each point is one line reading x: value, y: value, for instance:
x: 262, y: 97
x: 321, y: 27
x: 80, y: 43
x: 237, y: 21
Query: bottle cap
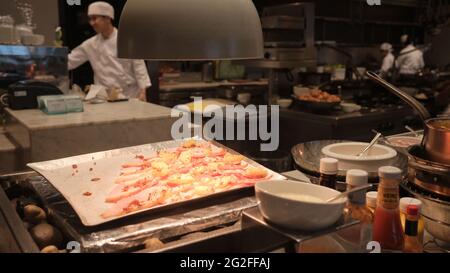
x: 357, y: 177
x: 412, y: 210
x: 371, y: 199
x: 328, y: 165
x: 390, y: 172
x: 406, y: 201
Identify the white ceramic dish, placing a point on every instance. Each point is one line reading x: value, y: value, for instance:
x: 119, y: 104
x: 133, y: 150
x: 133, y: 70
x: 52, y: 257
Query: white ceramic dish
x: 350, y: 107
x: 244, y: 98
x: 294, y: 213
x: 376, y: 157
x: 404, y: 141
x: 284, y: 103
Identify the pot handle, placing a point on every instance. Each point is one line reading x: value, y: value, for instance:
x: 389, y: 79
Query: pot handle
x: 428, y: 168
x: 416, y: 105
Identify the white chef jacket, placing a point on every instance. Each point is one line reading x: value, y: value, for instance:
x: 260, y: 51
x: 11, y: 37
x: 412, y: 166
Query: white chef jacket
x: 388, y: 63
x: 410, y: 63
x: 110, y: 71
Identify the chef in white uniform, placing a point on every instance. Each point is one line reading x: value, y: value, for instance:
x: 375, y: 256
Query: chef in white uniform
x: 410, y: 60
x: 388, y: 59
x: 101, y: 51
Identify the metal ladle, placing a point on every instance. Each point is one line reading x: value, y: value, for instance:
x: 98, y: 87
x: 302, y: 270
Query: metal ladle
x: 374, y: 140
x: 345, y: 193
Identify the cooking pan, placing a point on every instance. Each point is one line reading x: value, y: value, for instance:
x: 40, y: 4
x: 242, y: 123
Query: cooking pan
x: 316, y: 106
x: 436, y: 140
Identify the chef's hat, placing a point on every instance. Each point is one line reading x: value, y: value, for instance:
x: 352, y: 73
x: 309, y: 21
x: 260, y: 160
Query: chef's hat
x: 386, y: 47
x: 101, y: 8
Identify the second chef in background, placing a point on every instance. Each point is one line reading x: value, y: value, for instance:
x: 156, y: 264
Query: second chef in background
x: 101, y: 51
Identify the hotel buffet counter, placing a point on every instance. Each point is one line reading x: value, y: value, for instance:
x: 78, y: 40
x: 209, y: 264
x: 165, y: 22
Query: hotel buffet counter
x: 40, y: 137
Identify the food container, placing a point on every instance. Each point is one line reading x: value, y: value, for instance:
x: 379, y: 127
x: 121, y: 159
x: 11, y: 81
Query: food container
x: 374, y: 158
x: 298, y: 205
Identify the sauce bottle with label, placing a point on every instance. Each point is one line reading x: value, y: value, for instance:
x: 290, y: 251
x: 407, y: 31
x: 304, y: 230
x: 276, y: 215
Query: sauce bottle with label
x: 412, y: 241
x: 404, y: 203
x: 387, y: 227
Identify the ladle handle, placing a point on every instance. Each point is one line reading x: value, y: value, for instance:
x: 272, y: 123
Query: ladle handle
x: 416, y: 105
x: 360, y: 188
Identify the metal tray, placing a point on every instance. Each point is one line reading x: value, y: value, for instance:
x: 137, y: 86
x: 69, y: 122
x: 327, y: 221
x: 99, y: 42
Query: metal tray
x: 307, y: 158
x: 106, y: 165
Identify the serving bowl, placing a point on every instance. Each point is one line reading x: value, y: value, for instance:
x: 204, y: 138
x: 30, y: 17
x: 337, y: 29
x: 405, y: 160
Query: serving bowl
x: 298, y: 205
x: 346, y: 154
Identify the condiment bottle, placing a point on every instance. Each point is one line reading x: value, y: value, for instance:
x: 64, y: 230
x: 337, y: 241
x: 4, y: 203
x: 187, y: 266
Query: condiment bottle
x: 356, y: 206
x: 371, y: 200
x: 404, y: 202
x: 328, y: 172
x: 412, y: 242
x: 387, y: 227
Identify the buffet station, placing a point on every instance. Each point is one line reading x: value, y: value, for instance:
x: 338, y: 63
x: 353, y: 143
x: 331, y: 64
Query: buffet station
x: 199, y: 196
x: 362, y: 165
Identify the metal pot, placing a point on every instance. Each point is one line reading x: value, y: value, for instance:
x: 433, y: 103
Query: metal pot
x: 436, y: 214
x: 436, y: 140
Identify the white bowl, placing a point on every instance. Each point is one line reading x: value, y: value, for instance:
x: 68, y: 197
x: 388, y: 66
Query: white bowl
x: 244, y: 98
x: 345, y: 153
x: 350, y: 107
x: 284, y: 103
x: 298, y: 214
x: 404, y: 141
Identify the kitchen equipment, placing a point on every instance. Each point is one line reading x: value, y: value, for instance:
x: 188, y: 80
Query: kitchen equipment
x: 436, y: 140
x: 374, y: 140
x: 208, y: 72
x: 345, y: 193
x: 244, y: 98
x: 278, y: 161
x: 297, y: 205
x: 411, y: 130
x: 23, y: 94
x: 307, y: 157
x: 107, y: 166
x: 350, y: 107
x: 435, y: 210
x: 428, y: 175
x: 33, y: 39
x: 375, y: 158
x: 7, y: 30
x: 284, y: 103
x: 315, y: 106
x: 289, y: 33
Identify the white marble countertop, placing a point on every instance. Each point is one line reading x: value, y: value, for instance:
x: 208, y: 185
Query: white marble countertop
x: 132, y: 110
x: 174, y: 85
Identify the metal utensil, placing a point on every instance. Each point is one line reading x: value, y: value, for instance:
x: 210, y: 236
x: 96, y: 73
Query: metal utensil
x: 423, y: 112
x: 347, y: 192
x: 411, y: 130
x: 374, y: 140
x: 382, y: 136
x: 435, y: 138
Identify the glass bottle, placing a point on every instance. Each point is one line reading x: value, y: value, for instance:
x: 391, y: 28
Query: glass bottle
x: 412, y: 242
x: 371, y: 200
x: 387, y: 227
x: 328, y: 172
x: 356, y: 206
x: 404, y: 202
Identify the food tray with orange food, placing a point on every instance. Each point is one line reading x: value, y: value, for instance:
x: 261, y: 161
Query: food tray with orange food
x: 109, y: 185
x: 317, y: 100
